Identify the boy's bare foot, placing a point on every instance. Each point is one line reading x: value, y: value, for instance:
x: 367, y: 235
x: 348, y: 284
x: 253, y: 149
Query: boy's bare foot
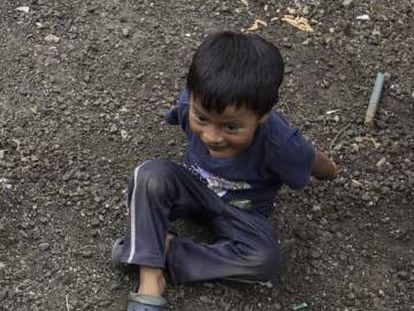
x: 152, y: 281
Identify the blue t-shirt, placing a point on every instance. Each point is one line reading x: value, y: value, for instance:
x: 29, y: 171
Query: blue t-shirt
x: 278, y: 155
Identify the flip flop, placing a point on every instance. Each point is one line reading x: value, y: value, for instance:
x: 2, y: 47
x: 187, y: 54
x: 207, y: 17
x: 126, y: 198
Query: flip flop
x: 139, y: 302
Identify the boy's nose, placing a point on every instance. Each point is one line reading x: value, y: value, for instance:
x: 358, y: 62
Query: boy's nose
x: 212, y: 136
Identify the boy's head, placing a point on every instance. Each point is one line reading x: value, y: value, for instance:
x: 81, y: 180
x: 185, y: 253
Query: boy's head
x: 234, y: 69
x: 233, y: 83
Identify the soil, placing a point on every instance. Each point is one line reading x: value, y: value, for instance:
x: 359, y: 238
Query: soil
x: 81, y: 108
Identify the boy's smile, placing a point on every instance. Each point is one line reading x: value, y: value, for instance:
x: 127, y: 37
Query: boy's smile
x: 224, y: 134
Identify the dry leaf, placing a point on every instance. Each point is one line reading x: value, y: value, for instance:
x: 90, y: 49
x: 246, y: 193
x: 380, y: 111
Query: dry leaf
x: 256, y: 25
x: 298, y: 22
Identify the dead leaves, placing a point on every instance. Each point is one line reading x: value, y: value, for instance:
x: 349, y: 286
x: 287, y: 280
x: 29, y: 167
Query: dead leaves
x: 298, y: 22
x: 258, y: 23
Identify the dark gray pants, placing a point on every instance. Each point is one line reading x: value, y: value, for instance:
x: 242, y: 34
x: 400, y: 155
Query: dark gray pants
x: 160, y: 191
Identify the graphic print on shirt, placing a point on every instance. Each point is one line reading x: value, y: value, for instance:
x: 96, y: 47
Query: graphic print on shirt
x: 221, y: 186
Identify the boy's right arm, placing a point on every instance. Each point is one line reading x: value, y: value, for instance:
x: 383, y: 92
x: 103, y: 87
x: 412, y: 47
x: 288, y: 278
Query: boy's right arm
x: 323, y: 167
x: 178, y: 114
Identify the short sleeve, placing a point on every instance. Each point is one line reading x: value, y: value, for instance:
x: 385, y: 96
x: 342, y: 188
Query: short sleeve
x: 293, y: 161
x: 178, y: 114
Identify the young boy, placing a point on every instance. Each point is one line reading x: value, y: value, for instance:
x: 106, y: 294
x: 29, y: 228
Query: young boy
x: 240, y: 153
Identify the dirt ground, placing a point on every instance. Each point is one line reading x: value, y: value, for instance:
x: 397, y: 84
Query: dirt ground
x: 79, y: 109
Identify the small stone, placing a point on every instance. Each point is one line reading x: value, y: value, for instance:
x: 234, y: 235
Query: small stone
x: 315, y: 254
x: 67, y: 176
x: 3, y: 293
x: 124, y: 134
x: 2, y: 265
x: 381, y: 162
x: 52, y: 39
x: 95, y: 222
x: 316, y: 208
x: 1, y: 154
x: 44, y: 246
x: 351, y: 296
x: 363, y: 17
x: 126, y: 32
x: 403, y: 275
x: 24, y: 9
x: 204, y: 299
x: 87, y: 254
x: 113, y: 128
x: 43, y: 220
x: 347, y: 3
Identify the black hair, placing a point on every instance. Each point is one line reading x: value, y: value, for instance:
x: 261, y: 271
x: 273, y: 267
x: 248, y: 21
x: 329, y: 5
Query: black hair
x: 236, y: 69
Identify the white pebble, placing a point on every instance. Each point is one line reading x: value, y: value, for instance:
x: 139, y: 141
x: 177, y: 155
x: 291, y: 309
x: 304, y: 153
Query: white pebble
x: 24, y: 9
x: 363, y: 17
x: 52, y: 38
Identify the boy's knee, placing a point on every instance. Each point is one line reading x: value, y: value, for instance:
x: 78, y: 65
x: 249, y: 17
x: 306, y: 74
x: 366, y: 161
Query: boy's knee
x: 268, y: 262
x: 154, y: 175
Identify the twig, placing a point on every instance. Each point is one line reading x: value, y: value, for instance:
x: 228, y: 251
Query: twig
x: 331, y: 145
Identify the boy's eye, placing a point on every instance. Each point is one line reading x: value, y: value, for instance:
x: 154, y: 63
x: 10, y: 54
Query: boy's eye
x: 232, y: 127
x: 201, y: 118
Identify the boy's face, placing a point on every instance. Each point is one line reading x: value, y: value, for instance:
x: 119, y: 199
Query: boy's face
x: 225, y: 134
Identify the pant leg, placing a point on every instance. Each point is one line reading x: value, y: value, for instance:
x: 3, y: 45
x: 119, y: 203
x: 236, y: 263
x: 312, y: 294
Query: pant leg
x: 246, y: 250
x: 158, y: 191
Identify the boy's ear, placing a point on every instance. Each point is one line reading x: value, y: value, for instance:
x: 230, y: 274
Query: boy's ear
x: 264, y: 118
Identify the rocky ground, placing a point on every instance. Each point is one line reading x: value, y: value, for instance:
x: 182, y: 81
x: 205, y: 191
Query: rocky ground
x: 83, y: 88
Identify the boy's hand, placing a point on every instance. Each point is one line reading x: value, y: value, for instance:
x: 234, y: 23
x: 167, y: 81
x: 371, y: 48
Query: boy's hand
x: 323, y: 167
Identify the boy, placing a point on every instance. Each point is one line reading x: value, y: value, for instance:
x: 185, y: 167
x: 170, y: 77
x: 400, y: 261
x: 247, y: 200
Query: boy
x: 240, y: 153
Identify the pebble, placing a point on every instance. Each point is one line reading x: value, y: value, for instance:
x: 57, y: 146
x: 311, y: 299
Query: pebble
x: 95, y: 222
x: 381, y: 162
x: 204, y: 299
x: 126, y: 32
x: 87, y: 254
x: 315, y: 254
x: 3, y: 293
x: 363, y: 17
x: 347, y: 3
x: 113, y: 128
x: 124, y: 134
x: 52, y: 39
x: 24, y: 9
x: 2, y: 265
x: 44, y: 246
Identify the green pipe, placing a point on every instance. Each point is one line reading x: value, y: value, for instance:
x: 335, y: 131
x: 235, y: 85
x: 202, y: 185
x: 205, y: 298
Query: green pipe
x: 374, y: 100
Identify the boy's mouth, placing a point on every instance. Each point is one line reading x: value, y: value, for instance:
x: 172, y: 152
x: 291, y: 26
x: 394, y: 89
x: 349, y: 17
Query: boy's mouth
x: 216, y: 148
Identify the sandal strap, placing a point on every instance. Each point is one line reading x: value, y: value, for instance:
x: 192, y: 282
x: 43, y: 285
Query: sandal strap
x: 148, y: 300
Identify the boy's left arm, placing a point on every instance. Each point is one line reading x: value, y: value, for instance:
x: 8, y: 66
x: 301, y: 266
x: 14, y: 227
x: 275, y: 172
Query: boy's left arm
x: 323, y: 167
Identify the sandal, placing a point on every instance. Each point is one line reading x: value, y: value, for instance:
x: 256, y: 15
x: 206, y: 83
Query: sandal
x: 139, y: 302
